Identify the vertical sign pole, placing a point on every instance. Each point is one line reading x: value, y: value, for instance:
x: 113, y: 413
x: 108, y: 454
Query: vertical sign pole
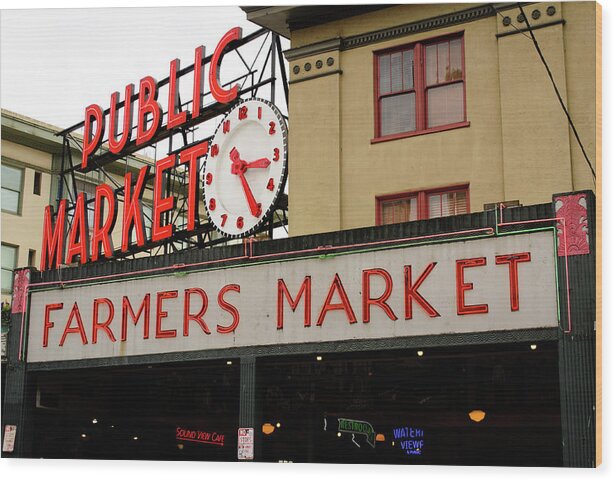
x: 16, y: 402
x: 273, y: 47
x: 247, y: 394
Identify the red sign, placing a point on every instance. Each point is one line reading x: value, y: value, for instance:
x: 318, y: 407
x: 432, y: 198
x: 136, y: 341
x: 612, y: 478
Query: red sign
x: 198, y: 436
x: 245, y: 443
x: 64, y: 244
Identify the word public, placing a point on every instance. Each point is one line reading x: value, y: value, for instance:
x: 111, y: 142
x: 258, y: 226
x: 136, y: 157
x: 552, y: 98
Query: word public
x: 91, y: 247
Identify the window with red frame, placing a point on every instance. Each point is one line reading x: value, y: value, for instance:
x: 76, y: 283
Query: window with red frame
x: 420, y: 87
x: 429, y: 204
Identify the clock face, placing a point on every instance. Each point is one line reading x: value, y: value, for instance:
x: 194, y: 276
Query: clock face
x: 246, y: 167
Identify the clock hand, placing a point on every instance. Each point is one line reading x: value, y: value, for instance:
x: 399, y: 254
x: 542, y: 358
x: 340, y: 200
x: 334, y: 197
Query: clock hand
x: 234, y: 154
x: 259, y: 163
x: 255, y: 208
x: 238, y: 164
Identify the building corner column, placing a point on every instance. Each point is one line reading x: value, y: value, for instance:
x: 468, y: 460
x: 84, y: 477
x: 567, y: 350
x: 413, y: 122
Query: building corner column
x: 576, y: 258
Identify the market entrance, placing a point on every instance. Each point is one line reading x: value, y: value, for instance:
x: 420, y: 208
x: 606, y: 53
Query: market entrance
x: 464, y: 405
x: 153, y: 412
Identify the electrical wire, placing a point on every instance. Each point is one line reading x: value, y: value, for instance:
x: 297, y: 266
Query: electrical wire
x: 559, y: 97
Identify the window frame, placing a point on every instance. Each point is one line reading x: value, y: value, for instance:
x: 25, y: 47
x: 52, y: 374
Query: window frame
x: 16, y: 263
x: 422, y: 200
x: 420, y: 87
x: 21, y: 188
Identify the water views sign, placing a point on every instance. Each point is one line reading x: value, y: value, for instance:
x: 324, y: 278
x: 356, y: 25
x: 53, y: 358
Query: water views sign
x: 489, y: 284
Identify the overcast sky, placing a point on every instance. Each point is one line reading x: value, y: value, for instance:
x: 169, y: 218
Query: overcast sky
x: 55, y: 62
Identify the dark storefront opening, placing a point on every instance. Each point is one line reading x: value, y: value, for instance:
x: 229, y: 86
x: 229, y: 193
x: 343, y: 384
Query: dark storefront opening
x: 480, y: 405
x: 158, y: 412
x: 462, y: 405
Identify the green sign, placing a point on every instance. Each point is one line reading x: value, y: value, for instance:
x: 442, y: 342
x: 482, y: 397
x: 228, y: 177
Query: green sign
x: 358, y: 427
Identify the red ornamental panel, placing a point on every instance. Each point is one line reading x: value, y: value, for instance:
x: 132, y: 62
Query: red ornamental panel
x: 20, y: 286
x: 572, y: 210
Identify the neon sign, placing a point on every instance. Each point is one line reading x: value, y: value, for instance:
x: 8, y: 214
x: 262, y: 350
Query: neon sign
x: 358, y: 427
x: 197, y: 436
x: 63, y: 243
x: 411, y: 439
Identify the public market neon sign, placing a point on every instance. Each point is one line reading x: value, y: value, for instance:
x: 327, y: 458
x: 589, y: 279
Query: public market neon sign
x: 79, y: 243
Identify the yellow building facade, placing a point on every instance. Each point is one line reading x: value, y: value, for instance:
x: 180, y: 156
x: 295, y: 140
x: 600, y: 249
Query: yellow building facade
x: 31, y: 162
x: 500, y: 134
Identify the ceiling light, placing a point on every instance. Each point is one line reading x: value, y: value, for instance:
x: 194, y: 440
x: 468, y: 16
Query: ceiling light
x: 533, y: 347
x: 477, y: 415
x: 419, y: 353
x: 319, y: 358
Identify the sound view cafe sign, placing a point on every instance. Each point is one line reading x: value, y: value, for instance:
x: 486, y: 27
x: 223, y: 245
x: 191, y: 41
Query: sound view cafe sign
x: 488, y: 284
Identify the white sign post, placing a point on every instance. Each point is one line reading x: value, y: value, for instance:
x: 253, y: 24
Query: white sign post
x: 8, y: 445
x: 245, y: 443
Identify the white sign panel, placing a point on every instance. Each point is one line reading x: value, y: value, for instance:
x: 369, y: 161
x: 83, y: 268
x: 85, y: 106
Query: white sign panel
x: 8, y: 444
x: 490, y: 284
x: 245, y: 443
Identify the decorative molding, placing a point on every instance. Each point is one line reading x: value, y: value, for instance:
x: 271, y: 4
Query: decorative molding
x: 525, y: 29
x: 573, y: 232
x: 324, y: 74
x: 440, y: 21
x: 20, y: 287
x: 313, y: 49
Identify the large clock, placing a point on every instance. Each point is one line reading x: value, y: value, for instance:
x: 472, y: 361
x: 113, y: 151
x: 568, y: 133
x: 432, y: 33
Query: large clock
x: 245, y: 169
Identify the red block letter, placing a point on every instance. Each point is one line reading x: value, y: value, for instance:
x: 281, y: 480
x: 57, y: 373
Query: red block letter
x: 160, y: 314
x: 195, y: 317
x: 47, y: 323
x: 133, y: 214
x: 513, y: 274
x: 117, y: 146
x: 337, y: 285
x: 148, y: 93
x: 78, y: 239
x: 127, y: 310
x: 411, y: 291
x: 101, y: 234
x: 197, y: 86
x: 191, y: 156
x: 162, y: 204
x: 93, y: 113
x: 306, y: 288
x: 175, y: 115
x: 105, y: 325
x: 222, y: 95
x: 74, y: 313
x: 228, y: 308
x: 52, y: 252
x: 462, y: 286
x: 380, y: 301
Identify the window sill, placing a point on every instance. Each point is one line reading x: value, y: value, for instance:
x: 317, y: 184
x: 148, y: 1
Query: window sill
x: 404, y: 135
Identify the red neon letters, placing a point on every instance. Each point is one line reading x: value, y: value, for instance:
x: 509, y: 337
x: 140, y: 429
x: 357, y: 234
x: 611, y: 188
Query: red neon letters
x: 149, y: 111
x: 149, y: 122
x: 107, y: 322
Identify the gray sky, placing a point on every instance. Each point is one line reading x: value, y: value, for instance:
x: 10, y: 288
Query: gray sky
x: 55, y: 62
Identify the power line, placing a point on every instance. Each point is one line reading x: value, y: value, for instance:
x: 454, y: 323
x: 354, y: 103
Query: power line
x: 527, y: 23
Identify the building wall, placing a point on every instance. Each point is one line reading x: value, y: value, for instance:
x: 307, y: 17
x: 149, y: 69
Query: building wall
x: 19, y: 229
x: 517, y: 146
